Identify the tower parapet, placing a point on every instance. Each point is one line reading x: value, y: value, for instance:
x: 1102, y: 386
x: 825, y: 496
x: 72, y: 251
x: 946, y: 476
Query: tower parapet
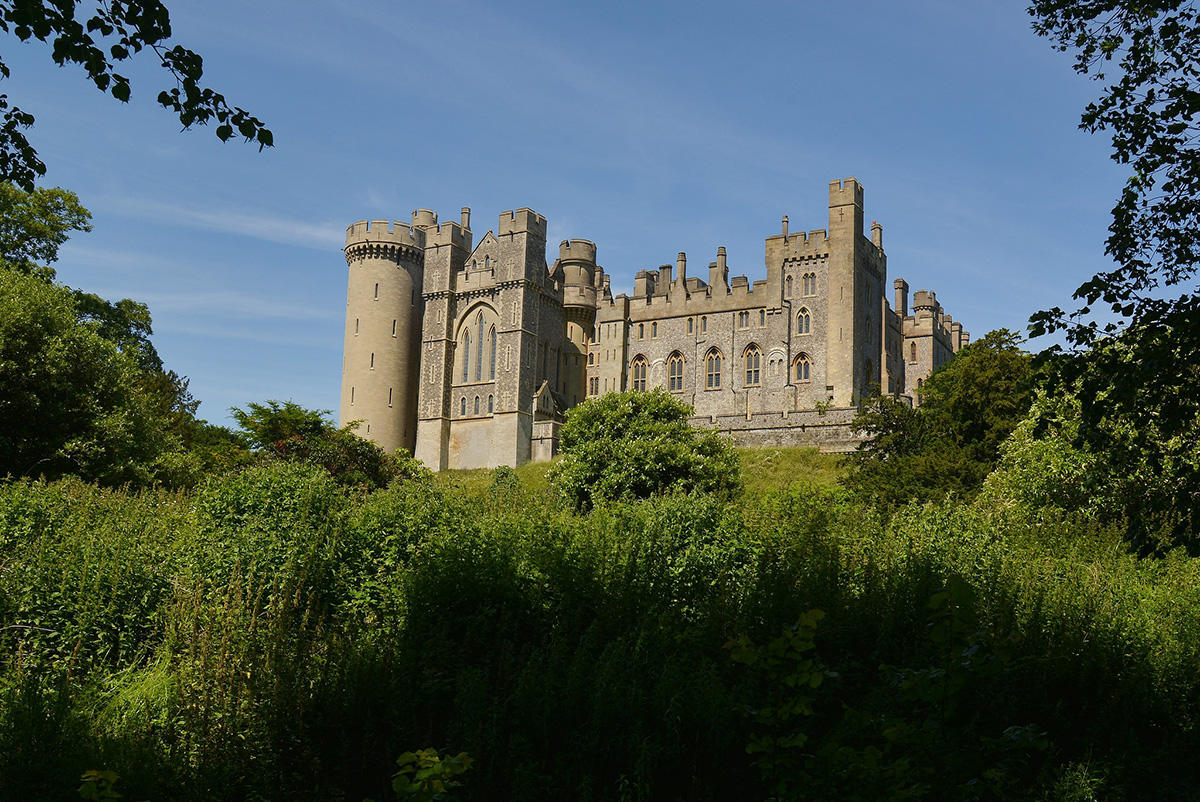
x: 379, y: 239
x: 522, y: 221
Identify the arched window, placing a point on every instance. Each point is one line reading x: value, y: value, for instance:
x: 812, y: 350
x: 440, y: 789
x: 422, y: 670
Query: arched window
x: 762, y: 317
x: 675, y: 373
x: 479, y: 352
x: 803, y: 322
x: 703, y: 324
x: 591, y: 358
x: 654, y: 330
x: 788, y: 290
x: 803, y: 372
x: 476, y: 405
x: 743, y: 320
x: 690, y: 325
x: 808, y: 284
x: 753, y: 360
x: 712, y: 370
x: 639, y: 370
x: 463, y: 406
x: 492, y: 370
x: 466, y: 357
x: 491, y: 404
x: 912, y: 352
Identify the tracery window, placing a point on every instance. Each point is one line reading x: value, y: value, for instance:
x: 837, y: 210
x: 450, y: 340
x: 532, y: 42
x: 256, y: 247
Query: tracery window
x: 639, y: 370
x: 743, y: 320
x: 803, y: 321
x: 466, y: 357
x: 675, y: 373
x: 712, y: 370
x: 753, y: 361
x: 803, y: 371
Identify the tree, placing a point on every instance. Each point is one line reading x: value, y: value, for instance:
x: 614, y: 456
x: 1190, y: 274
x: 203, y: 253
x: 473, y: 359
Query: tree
x: 70, y: 401
x: 951, y: 442
x: 112, y: 32
x: 34, y: 223
x: 289, y: 432
x: 635, y: 445
x: 1138, y: 374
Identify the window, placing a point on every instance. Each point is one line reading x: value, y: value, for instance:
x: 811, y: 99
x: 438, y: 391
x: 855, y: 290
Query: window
x: 690, y: 326
x: 352, y: 396
x: 803, y: 371
x: 389, y: 396
x: 808, y: 284
x: 762, y: 318
x: 355, y: 327
x: 393, y: 328
x: 492, y: 370
x: 712, y: 370
x: 654, y: 330
x: 743, y: 320
x: 803, y: 322
x: 675, y: 373
x: 372, y: 362
x: 912, y: 352
x: 479, y: 354
x: 491, y: 404
x: 463, y: 407
x: 641, y: 331
x: 591, y: 358
x: 703, y: 324
x: 476, y: 405
x: 639, y: 370
x: 376, y: 292
x: 753, y: 360
x: 788, y: 288
x: 487, y: 263
x: 594, y: 386
x: 466, y: 357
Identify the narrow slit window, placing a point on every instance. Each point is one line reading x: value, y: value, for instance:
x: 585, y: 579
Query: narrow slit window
x: 393, y: 328
x: 376, y: 292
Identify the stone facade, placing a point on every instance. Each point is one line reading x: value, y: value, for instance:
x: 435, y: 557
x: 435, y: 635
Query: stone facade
x: 469, y: 355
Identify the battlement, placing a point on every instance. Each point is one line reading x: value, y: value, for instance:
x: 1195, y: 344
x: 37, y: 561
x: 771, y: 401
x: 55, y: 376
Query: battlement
x: 449, y: 234
x: 846, y: 192
x: 424, y: 218
x: 577, y: 250
x: 924, y: 299
x: 800, y: 245
x: 382, y: 231
x: 522, y: 221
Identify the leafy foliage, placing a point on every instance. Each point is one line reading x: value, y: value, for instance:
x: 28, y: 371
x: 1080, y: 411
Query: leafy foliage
x: 1138, y: 375
x: 636, y: 445
x: 951, y: 442
x: 99, y: 41
x: 35, y: 223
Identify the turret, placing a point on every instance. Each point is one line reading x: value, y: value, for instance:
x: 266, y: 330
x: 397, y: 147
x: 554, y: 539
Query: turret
x: 718, y: 271
x: 901, y: 297
x: 383, y: 328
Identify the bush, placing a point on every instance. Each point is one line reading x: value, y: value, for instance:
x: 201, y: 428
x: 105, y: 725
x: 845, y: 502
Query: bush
x: 633, y: 445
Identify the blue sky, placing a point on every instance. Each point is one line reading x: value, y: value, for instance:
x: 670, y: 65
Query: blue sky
x: 648, y: 128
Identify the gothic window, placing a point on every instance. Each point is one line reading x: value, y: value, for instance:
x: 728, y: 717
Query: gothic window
x: 788, y: 291
x: 654, y: 330
x: 703, y: 324
x: 803, y: 322
x: 753, y: 360
x: 466, y: 357
x: 803, y: 370
x: 762, y: 318
x: 479, y: 353
x: 712, y: 370
x: 690, y: 324
x: 591, y: 358
x: 463, y: 407
x: 487, y: 263
x: 808, y: 284
x: 743, y: 320
x: 639, y: 371
x: 594, y: 386
x: 491, y: 404
x: 675, y: 373
x: 476, y: 405
x: 492, y: 369
x: 912, y: 352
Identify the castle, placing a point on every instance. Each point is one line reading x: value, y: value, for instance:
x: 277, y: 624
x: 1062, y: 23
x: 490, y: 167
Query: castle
x: 468, y: 355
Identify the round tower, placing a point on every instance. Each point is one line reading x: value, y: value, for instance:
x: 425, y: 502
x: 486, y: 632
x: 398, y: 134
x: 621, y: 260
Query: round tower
x: 577, y: 261
x: 381, y: 359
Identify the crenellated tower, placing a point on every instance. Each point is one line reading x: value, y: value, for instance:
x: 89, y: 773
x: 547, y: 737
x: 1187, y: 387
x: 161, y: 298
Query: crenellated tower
x: 383, y: 331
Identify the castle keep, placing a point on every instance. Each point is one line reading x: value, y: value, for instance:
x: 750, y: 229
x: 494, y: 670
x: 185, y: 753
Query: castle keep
x: 468, y: 355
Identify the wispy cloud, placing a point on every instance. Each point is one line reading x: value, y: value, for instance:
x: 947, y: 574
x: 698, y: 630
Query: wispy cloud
x: 322, y: 236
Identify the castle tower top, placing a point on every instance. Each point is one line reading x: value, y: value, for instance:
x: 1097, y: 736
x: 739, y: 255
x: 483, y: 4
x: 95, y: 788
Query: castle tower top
x: 522, y: 221
x: 381, y: 233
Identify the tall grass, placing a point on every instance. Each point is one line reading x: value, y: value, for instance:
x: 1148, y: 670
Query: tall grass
x: 271, y: 637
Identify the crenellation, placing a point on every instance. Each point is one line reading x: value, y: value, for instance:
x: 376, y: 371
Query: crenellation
x: 498, y: 343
